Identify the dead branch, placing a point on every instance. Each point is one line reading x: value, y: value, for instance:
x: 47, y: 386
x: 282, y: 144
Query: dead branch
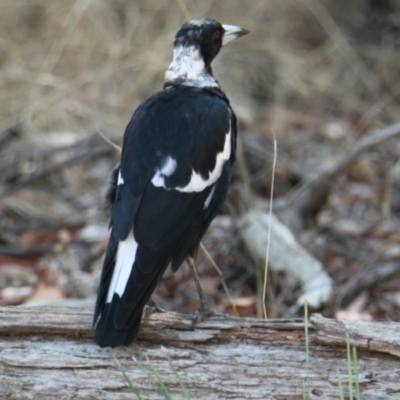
x: 307, y: 201
x: 9, y: 134
x: 364, y: 279
x: 72, y: 322
x: 86, y: 149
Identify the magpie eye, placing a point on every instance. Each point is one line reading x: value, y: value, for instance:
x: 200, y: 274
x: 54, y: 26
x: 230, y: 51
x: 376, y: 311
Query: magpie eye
x: 217, y: 34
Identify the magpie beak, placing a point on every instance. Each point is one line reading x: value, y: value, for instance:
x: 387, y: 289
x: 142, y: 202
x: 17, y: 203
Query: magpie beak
x: 232, y: 32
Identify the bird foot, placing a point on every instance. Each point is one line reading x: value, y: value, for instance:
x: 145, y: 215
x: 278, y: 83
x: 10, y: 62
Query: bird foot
x: 206, y: 311
x: 152, y: 307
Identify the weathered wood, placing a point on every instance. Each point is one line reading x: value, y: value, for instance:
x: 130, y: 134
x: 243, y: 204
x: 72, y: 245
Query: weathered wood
x: 381, y: 337
x: 48, y: 353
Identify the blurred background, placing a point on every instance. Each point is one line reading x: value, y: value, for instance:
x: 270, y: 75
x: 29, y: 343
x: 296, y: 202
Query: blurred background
x: 317, y: 74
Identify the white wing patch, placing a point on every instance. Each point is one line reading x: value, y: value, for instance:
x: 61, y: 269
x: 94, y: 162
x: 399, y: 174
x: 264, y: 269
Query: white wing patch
x: 197, y: 183
x: 120, y: 179
x: 126, y: 254
x: 167, y: 169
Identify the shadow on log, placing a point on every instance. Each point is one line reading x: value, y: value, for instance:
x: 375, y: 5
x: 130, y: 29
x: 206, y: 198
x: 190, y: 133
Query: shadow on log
x: 48, y: 353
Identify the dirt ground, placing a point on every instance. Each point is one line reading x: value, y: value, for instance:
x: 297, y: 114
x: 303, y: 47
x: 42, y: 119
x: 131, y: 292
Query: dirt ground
x: 320, y: 76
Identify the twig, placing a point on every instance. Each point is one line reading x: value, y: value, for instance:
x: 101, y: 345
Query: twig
x: 20, y: 251
x: 367, y: 277
x: 109, y: 141
x: 224, y: 285
x: 343, y: 46
x: 87, y: 153
x: 269, y: 226
x: 182, y: 5
x: 57, y: 48
x: 9, y: 133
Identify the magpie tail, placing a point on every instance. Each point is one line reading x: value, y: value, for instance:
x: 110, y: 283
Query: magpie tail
x: 130, y: 274
x: 106, y: 333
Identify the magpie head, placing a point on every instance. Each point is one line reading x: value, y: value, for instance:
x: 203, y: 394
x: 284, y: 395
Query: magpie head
x: 208, y: 36
x: 196, y: 45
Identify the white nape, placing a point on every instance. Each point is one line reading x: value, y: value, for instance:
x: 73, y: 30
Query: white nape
x: 167, y: 169
x: 188, y: 68
x: 125, y: 259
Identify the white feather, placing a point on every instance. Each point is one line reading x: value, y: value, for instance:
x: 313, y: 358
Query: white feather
x: 126, y: 254
x: 167, y: 169
x: 209, y: 197
x: 120, y: 179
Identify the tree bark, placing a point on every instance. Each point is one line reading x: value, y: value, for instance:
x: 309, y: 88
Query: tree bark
x: 49, y: 353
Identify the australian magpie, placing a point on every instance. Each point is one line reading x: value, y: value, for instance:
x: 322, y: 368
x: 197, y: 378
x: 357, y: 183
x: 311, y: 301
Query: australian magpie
x: 175, y: 169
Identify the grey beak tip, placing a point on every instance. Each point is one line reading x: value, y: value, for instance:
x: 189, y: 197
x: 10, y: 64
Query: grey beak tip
x: 243, y: 32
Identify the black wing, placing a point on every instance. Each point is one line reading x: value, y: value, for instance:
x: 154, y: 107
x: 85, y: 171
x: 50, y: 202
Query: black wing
x: 174, y: 174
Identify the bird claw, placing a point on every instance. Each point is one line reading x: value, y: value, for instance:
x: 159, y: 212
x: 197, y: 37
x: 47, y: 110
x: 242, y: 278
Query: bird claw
x: 152, y: 307
x: 205, y: 311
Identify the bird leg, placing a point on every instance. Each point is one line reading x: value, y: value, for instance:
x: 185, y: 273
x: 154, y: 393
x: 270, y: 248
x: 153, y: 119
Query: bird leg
x: 204, y: 309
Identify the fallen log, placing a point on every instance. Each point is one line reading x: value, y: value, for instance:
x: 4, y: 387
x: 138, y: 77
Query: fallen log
x: 49, y: 353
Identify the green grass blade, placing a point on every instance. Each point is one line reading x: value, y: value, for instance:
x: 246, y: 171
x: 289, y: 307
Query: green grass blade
x: 130, y: 384
x: 160, y: 383
x: 306, y: 390
x: 355, y: 362
x: 306, y: 336
x: 157, y: 380
x: 267, y: 368
x: 349, y: 367
x: 143, y: 369
x: 306, y: 395
x: 341, y: 394
x: 174, y: 370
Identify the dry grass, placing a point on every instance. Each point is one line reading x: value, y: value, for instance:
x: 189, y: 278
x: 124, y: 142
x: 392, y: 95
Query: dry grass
x: 65, y: 65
